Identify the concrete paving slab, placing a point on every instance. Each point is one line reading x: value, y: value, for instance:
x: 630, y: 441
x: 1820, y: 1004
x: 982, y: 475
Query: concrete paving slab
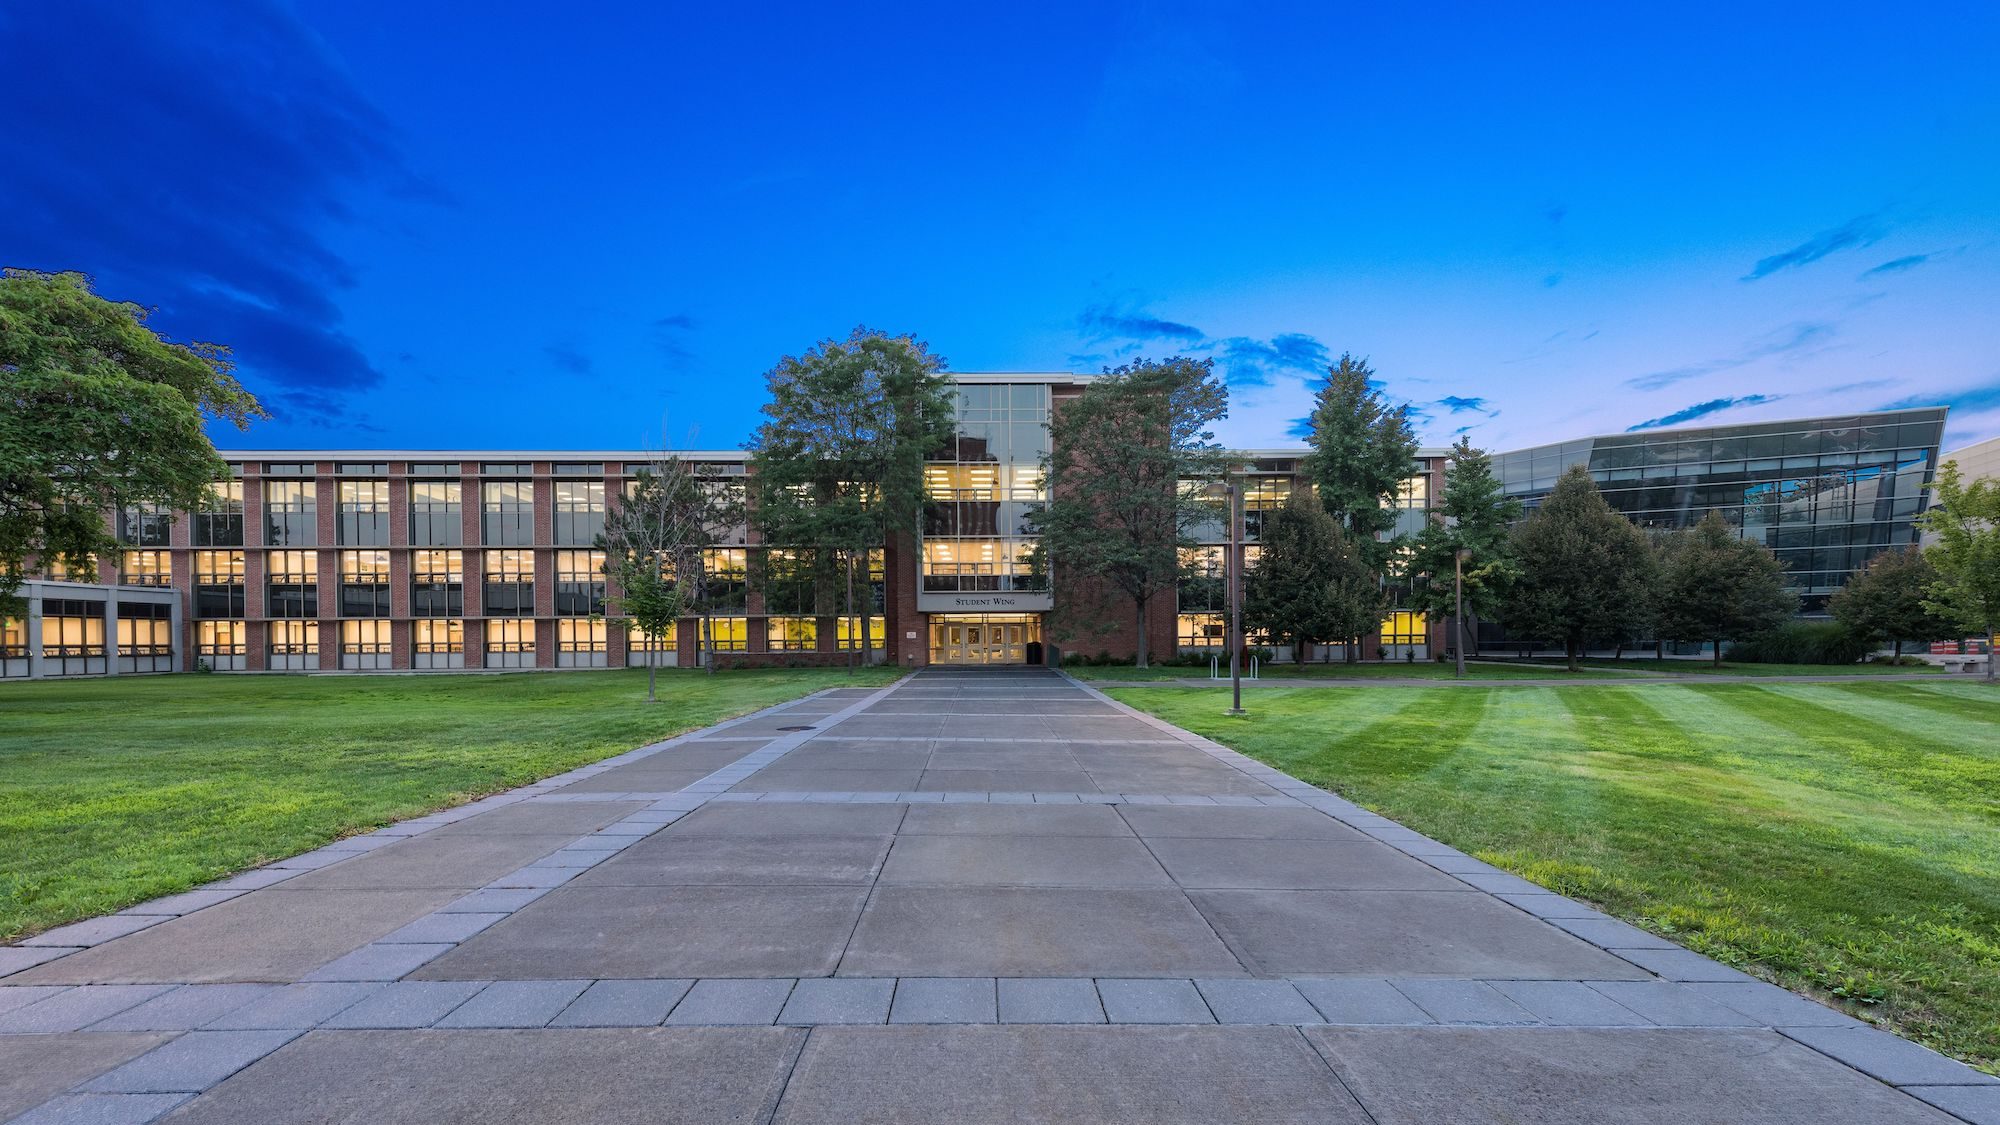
x: 382, y: 961
x: 1978, y: 1105
x: 789, y: 820
x: 185, y: 1008
x: 1256, y: 1001
x: 1294, y: 864
x: 493, y: 900
x: 630, y: 932
x: 1358, y: 1000
x: 1888, y: 1057
x: 1684, y: 965
x: 35, y: 1068
x: 623, y: 1003
x: 192, y: 1062
x: 1569, y: 1003
x: 979, y: 1075
x: 668, y: 860
x: 847, y: 756
x: 937, y: 780
x: 731, y: 1002
x: 102, y: 1109
x: 458, y: 863
x: 1031, y: 861
x: 1398, y: 933
x: 992, y: 759
x: 20, y: 996
x: 1043, y: 931
x: 1463, y: 1076
x: 187, y: 902
x: 406, y: 1004
x: 945, y: 1000
x: 1049, y: 1000
x: 442, y: 927
x: 541, y: 818
x: 1772, y: 1006
x: 295, y: 1005
x: 1672, y: 1005
x: 1013, y: 820
x: 530, y: 1003
x: 1236, y: 823
x: 840, y: 1000
x: 783, y: 778
x: 73, y: 1009
x: 92, y: 931
x: 633, y: 779
x: 1464, y: 1001
x: 1153, y: 1001
x: 19, y: 958
x: 581, y: 1076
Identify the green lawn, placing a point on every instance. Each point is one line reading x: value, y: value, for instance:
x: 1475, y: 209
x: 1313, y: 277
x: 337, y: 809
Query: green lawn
x: 1840, y: 839
x: 1653, y: 667
x: 115, y: 791
x: 1421, y: 670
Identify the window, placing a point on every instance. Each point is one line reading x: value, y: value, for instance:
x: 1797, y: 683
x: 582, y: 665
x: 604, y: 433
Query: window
x: 728, y: 575
x: 1201, y: 630
x: 292, y: 584
x: 145, y: 629
x: 508, y: 515
x: 1405, y: 628
x: 507, y: 469
x: 437, y: 583
x: 291, y: 514
x: 844, y: 633
x: 146, y: 568
x: 791, y: 634
x: 363, y: 468
x: 980, y: 565
x: 434, y: 469
x: 578, y: 468
x: 1414, y: 492
x: 437, y: 515
x: 510, y: 583
x: 57, y: 570
x: 510, y: 636
x: 294, y: 638
x: 364, y: 513
x: 580, y: 635
x: 13, y: 638
x: 218, y: 584
x: 579, y: 512
x: 364, y: 584
x: 364, y: 638
x: 218, y: 638
x: 727, y: 634
x: 1202, y: 581
x: 218, y: 522
x: 72, y: 628
x: 288, y: 469
x: 579, y: 582
x: 439, y: 637
x: 145, y: 525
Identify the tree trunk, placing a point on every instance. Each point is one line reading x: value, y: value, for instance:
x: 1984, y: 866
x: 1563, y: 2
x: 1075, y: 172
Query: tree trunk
x: 1570, y: 647
x: 1140, y: 603
x: 851, y: 637
x: 703, y: 650
x: 1718, y: 652
x: 1899, y: 651
x: 652, y: 670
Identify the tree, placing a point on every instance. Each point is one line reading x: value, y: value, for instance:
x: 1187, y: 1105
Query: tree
x: 838, y: 467
x: 1586, y: 571
x: 97, y: 413
x: 1966, y: 520
x: 1362, y: 452
x: 1309, y: 584
x: 1717, y: 586
x: 1476, y: 517
x: 1127, y: 464
x: 1886, y: 601
x: 655, y: 545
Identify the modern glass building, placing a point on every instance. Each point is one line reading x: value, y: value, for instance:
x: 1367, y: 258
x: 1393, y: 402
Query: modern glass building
x: 1825, y: 494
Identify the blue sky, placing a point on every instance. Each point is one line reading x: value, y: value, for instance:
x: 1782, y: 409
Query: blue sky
x: 434, y: 225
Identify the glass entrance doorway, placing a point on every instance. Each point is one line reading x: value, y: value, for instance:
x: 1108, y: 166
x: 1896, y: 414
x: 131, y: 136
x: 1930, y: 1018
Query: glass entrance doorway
x: 983, y: 638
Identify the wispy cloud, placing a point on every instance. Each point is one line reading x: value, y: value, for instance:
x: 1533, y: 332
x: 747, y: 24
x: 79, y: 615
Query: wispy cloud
x: 1897, y: 265
x: 1862, y: 230
x: 568, y: 358
x: 1701, y: 410
x: 1247, y: 361
x: 1967, y: 400
x: 1460, y: 404
x: 1792, y: 338
x: 1108, y: 322
x: 669, y: 336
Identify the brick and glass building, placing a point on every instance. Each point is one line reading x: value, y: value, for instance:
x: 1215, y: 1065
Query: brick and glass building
x: 430, y: 560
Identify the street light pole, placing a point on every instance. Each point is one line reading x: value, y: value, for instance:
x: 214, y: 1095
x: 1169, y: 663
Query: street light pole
x: 1458, y: 612
x: 1233, y: 572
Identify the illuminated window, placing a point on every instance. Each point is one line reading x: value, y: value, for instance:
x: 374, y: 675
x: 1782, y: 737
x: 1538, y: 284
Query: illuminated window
x: 364, y: 638
x: 294, y: 638
x: 580, y: 635
x: 57, y: 570
x: 844, y: 633
x: 1201, y: 630
x: 1414, y: 492
x: 292, y: 584
x: 218, y: 638
x: 505, y: 636
x: 291, y: 514
x: 980, y: 565
x: 72, y: 628
x: 364, y: 584
x: 728, y: 634
x: 438, y: 637
x: 219, y: 520
x: 364, y: 513
x: 791, y: 634
x: 579, y: 582
x: 507, y: 518
x: 13, y: 637
x: 146, y: 568
x: 1405, y: 628
x: 145, y: 629
x: 510, y: 583
x: 218, y: 584
x: 437, y: 583
x: 437, y: 516
x: 579, y: 512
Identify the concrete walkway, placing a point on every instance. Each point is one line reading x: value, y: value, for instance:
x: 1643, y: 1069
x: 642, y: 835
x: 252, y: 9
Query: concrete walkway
x: 971, y: 897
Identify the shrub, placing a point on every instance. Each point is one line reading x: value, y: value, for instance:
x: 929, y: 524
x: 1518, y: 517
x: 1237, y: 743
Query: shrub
x: 1802, y: 642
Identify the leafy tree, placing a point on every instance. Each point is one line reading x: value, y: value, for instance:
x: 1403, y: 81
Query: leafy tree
x: 1886, y: 601
x: 1126, y: 469
x: 1966, y: 520
x: 1309, y: 585
x: 1362, y: 451
x: 838, y: 467
x: 655, y: 545
x: 1586, y: 571
x: 1717, y: 586
x: 97, y: 413
x: 1477, y: 517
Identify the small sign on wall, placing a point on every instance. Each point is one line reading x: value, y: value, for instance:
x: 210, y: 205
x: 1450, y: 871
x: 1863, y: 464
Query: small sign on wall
x: 910, y: 636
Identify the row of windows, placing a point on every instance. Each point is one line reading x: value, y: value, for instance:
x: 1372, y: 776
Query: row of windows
x: 84, y: 635
x: 1211, y: 630
x: 447, y: 635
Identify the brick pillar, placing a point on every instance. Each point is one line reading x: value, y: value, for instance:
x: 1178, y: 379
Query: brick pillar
x: 545, y: 643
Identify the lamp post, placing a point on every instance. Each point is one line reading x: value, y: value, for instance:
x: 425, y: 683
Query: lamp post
x: 1233, y: 574
x: 1458, y: 558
